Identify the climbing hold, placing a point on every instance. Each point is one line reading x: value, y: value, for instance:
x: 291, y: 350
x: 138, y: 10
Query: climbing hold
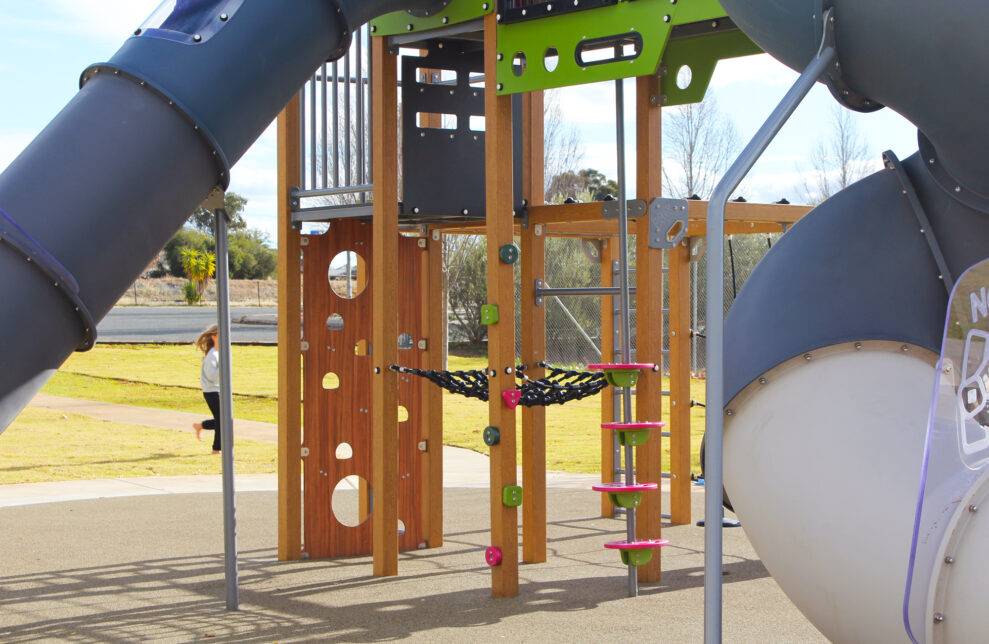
x: 491, y: 436
x: 622, y: 495
x: 636, y: 553
x: 511, y: 495
x: 621, y: 375
x: 511, y: 397
x: 489, y: 314
x: 509, y: 253
x: 492, y: 555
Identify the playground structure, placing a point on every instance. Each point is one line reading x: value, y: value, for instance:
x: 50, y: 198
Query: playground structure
x: 447, y: 190
x: 849, y: 359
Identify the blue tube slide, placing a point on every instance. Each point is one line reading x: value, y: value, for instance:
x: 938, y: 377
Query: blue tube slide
x: 90, y: 202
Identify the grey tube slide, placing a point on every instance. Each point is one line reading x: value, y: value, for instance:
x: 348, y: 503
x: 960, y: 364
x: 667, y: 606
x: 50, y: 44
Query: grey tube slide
x: 90, y: 202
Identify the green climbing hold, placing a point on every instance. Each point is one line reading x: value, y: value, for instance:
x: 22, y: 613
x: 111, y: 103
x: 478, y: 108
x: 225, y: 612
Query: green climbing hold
x: 625, y: 499
x: 491, y: 436
x: 633, y: 437
x: 511, y: 495
x: 489, y: 314
x: 509, y: 253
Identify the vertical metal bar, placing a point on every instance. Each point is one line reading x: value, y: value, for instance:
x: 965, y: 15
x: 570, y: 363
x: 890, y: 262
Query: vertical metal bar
x: 302, y: 135
x: 713, y: 466
x: 312, y: 132
x: 226, y: 428
x: 346, y: 119
x: 361, y: 129
x: 370, y: 133
x: 626, y: 326
x: 324, y: 153
x: 336, y: 127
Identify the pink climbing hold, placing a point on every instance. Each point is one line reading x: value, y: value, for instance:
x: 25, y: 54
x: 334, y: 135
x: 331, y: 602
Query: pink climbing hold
x: 511, y: 397
x: 492, y: 555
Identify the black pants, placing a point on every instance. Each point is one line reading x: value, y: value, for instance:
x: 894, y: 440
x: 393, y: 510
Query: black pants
x: 213, y: 400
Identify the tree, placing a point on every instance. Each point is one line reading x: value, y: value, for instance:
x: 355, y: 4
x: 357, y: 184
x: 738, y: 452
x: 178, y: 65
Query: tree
x: 698, y: 145
x: 465, y: 265
x: 202, y: 219
x: 199, y: 266
x: 186, y: 238
x: 839, y: 161
x: 563, y: 150
x: 584, y: 185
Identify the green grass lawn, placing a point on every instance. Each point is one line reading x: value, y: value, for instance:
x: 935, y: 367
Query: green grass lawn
x: 167, y: 377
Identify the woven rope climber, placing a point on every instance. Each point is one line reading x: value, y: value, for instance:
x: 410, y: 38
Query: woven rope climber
x: 557, y: 387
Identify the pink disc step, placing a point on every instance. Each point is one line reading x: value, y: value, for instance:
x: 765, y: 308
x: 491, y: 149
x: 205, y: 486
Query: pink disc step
x: 624, y: 426
x: 616, y: 488
x: 640, y: 544
x: 621, y: 367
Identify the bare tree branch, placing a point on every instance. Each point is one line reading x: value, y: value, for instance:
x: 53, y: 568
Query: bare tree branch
x: 838, y: 161
x: 698, y: 145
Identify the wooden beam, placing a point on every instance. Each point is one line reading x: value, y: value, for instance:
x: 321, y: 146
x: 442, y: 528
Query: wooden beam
x: 698, y: 228
x: 384, y: 389
x: 735, y: 211
x: 432, y: 396
x: 649, y: 318
x: 679, y: 280
x: 533, y: 320
x: 501, y: 336
x: 289, y: 349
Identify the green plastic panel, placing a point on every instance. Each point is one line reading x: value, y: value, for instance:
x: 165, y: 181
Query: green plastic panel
x: 489, y: 314
x: 651, y: 20
x: 622, y: 377
x: 402, y: 22
x: 625, y: 499
x: 636, y: 557
x: 700, y: 54
x: 633, y: 437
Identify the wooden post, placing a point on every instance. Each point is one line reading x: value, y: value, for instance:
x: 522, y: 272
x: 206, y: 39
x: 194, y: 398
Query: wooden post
x: 432, y: 396
x: 533, y: 320
x: 289, y: 349
x: 649, y: 317
x: 679, y: 261
x: 384, y: 390
x: 501, y: 336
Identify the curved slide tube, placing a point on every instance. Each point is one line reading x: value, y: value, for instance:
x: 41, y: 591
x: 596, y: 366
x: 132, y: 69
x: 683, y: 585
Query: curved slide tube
x: 832, y: 346
x: 90, y: 202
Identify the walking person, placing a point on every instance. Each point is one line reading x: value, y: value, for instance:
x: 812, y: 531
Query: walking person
x: 209, y: 379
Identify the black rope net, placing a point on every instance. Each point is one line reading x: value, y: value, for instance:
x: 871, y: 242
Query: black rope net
x: 557, y: 387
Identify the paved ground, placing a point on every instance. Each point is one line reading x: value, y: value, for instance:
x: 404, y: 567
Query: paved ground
x: 150, y: 567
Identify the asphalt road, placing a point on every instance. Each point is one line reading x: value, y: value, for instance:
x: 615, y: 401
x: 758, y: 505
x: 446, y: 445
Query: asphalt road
x: 184, y: 324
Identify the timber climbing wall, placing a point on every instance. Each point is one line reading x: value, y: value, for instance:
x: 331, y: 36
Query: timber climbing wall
x: 337, y: 367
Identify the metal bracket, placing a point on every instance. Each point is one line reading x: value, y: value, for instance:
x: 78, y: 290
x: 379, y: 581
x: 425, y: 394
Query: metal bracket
x: 539, y: 287
x: 893, y: 163
x: 634, y: 207
x: 667, y: 222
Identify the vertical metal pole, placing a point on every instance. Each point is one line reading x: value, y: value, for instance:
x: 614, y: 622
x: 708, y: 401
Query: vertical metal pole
x: 324, y: 153
x: 226, y: 410
x: 336, y: 126
x: 361, y: 122
x: 713, y: 466
x: 312, y: 132
x: 626, y: 326
x: 346, y: 119
x: 302, y: 136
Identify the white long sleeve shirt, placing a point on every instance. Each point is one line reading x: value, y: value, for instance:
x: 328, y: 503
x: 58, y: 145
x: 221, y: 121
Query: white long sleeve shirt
x: 209, y: 378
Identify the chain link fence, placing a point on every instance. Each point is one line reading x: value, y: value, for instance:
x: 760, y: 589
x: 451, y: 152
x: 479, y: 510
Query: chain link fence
x: 742, y: 254
x: 573, y: 323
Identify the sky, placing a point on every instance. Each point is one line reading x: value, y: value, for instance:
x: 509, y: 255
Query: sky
x: 45, y: 45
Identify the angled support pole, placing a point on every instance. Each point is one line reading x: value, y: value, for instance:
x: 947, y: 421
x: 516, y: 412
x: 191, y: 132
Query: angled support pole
x: 714, y: 464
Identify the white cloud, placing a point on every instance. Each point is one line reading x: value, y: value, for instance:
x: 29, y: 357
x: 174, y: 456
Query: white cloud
x: 104, y: 19
x: 752, y: 70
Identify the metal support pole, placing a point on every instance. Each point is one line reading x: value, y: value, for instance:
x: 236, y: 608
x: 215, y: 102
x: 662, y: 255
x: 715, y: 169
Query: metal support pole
x: 713, y: 467
x: 626, y: 326
x: 226, y: 428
